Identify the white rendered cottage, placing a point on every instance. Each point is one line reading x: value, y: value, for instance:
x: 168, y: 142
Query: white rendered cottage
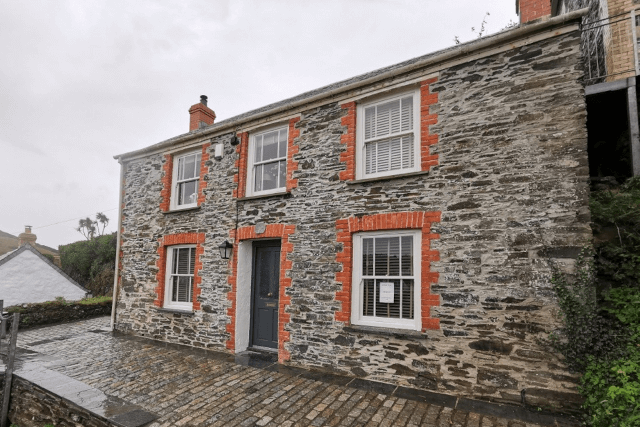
x: 27, y: 276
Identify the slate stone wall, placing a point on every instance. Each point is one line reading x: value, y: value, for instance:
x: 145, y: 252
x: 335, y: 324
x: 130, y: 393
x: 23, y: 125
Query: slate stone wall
x: 33, y: 406
x: 511, y: 186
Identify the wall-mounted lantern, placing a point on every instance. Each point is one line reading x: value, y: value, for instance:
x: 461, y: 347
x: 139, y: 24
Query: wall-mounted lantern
x: 226, y: 249
x: 235, y: 140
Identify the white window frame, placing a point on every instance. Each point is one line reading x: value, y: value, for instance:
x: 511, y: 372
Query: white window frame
x: 188, y: 306
x: 174, y: 181
x: 251, y: 162
x: 357, y: 283
x: 360, y: 143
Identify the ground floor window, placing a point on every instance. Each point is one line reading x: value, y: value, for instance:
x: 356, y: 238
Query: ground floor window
x: 179, y: 278
x: 386, y: 279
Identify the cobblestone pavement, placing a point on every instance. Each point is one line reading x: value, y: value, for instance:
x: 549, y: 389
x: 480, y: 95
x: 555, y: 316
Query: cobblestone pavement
x: 199, y: 388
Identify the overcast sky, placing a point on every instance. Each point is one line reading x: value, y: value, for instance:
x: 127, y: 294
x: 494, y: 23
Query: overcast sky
x: 82, y: 81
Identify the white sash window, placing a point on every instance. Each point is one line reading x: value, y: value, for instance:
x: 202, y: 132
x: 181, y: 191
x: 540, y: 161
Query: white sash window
x: 388, y: 136
x: 268, y: 162
x: 181, y: 262
x: 186, y: 174
x: 386, y: 279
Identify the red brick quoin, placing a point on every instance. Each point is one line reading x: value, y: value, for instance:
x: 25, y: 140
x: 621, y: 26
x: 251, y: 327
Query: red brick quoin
x: 179, y: 239
x: 272, y: 231
x: 389, y: 221
x: 427, y: 139
x: 243, y: 160
x: 167, y: 176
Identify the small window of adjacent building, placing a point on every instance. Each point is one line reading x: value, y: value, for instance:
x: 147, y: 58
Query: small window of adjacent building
x: 268, y: 162
x: 181, y: 262
x: 388, y: 136
x: 186, y: 174
x: 386, y: 291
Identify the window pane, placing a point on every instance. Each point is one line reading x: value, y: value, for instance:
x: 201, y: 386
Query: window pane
x: 369, y: 122
x: 257, y: 173
x: 407, y: 113
x: 381, y: 256
x: 258, y: 148
x: 187, y: 192
x: 407, y: 299
x: 283, y: 174
x: 407, y: 255
x: 270, y: 146
x: 388, y: 309
x: 270, y: 176
x: 367, y: 257
x: 368, y: 297
x: 282, y: 145
x: 182, y: 288
x: 371, y: 158
x: 174, y: 261
x: 196, y: 172
x: 184, y: 261
x: 388, y: 118
x: 180, y: 168
x: 394, y: 256
x: 192, y: 262
x: 189, y: 167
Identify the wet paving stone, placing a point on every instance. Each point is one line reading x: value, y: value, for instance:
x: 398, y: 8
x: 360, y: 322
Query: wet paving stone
x: 195, y: 387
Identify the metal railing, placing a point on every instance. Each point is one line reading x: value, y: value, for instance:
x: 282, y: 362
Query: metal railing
x: 610, y: 47
x: 11, y: 356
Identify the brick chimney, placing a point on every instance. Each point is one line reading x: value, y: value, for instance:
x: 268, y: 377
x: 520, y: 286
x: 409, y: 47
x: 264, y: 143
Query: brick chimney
x: 530, y: 10
x: 27, y: 237
x: 200, y: 114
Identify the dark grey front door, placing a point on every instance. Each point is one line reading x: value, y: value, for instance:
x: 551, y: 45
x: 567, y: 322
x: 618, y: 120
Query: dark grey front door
x: 266, y: 286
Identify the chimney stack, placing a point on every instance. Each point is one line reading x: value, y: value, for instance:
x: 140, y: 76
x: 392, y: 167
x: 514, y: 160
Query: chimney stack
x: 200, y: 114
x: 530, y: 10
x: 27, y: 236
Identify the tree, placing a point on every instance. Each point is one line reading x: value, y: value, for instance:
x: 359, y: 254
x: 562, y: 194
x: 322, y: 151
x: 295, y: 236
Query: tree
x: 93, y: 228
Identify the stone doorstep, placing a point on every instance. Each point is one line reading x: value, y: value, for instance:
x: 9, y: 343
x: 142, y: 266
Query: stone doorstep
x: 85, y: 397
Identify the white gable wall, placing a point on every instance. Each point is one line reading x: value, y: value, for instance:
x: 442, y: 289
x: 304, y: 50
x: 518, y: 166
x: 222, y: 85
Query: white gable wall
x: 27, y: 279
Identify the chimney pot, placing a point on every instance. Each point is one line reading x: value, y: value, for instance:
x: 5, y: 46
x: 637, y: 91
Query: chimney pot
x: 203, y: 99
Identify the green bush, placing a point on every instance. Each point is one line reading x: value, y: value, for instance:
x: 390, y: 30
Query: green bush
x: 600, y: 337
x: 91, y: 262
x: 616, y: 220
x: 612, y: 387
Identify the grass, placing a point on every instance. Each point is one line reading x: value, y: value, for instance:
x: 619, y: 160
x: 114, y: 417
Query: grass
x: 95, y: 300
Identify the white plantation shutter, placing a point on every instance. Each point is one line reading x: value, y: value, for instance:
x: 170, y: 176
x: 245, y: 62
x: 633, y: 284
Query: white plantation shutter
x: 389, y: 136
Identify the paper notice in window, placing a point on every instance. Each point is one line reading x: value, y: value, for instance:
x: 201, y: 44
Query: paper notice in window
x: 386, y: 292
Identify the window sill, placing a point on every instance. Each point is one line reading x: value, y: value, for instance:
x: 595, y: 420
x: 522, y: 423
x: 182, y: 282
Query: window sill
x: 172, y: 211
x: 175, y: 311
x: 376, y: 330
x: 386, y: 177
x: 265, y: 196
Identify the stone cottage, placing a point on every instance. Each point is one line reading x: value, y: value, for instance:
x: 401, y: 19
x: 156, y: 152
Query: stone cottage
x: 398, y: 226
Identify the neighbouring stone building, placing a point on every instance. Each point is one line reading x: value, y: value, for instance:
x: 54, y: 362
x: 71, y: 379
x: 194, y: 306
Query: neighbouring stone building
x: 399, y: 226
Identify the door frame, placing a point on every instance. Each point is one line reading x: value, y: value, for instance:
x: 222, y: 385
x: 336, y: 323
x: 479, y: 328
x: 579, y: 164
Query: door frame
x: 254, y: 245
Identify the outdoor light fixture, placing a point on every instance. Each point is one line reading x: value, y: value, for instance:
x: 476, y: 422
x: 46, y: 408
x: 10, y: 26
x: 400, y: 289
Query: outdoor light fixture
x: 235, y: 140
x: 225, y: 249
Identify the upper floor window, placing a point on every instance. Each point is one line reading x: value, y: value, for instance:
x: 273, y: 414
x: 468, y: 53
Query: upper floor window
x: 186, y: 174
x: 388, y: 136
x: 386, y: 278
x: 267, y: 162
x: 181, y: 262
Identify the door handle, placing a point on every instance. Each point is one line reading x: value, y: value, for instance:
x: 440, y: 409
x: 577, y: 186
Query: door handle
x: 269, y: 294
